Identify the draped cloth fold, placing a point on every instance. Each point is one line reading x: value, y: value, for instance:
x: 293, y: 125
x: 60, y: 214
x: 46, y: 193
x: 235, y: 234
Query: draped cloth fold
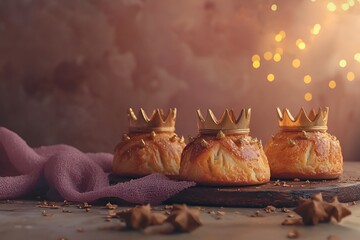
x: 72, y: 175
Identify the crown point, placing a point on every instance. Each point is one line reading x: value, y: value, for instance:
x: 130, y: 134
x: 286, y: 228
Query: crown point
x: 204, y: 143
x: 173, y: 138
x: 142, y: 143
x: 220, y: 135
x: 125, y: 137
x: 312, y: 114
x: 228, y: 123
x: 131, y: 114
x: 292, y: 142
x: 309, y: 122
x: 158, y: 121
x: 152, y: 135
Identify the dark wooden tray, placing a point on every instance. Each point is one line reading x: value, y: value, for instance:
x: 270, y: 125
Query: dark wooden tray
x: 278, y: 194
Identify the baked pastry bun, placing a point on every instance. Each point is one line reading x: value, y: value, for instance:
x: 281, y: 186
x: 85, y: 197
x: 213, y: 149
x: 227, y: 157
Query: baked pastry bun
x: 306, y: 154
x: 150, y: 146
x: 223, y: 154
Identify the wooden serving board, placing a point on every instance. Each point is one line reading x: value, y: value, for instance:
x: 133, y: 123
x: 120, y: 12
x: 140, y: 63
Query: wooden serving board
x: 278, y: 194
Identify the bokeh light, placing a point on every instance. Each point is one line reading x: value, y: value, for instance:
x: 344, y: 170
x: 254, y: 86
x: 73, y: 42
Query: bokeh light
x: 274, y: 7
x: 350, y: 76
x: 307, y: 79
x: 277, y: 57
x: 296, y: 63
x: 308, y: 96
x: 345, y: 6
x: 270, y: 77
x: 256, y: 64
x: 300, y: 44
x: 332, y: 84
x: 316, y: 29
x: 268, y: 56
x: 342, y: 63
x: 255, y: 57
x: 331, y: 7
x: 357, y: 57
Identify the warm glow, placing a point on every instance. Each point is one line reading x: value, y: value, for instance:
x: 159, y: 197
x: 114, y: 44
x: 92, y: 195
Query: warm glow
x: 332, y: 84
x: 316, y: 29
x: 308, y: 96
x: 277, y: 57
x: 357, y: 57
x: 345, y: 6
x: 270, y: 77
x: 278, y: 38
x: 307, y: 79
x: 342, y: 63
x: 351, y: 2
x: 256, y: 64
x: 268, y: 56
x: 283, y: 34
x: 279, y: 50
x: 296, y: 63
x: 350, y: 76
x: 331, y: 7
x: 255, y: 57
x: 274, y: 7
x: 300, y: 44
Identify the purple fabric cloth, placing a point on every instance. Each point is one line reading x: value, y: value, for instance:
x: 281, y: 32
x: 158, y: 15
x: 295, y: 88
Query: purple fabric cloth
x: 72, y: 174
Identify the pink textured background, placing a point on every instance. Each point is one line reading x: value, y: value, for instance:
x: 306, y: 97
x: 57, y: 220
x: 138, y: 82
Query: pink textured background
x: 69, y: 69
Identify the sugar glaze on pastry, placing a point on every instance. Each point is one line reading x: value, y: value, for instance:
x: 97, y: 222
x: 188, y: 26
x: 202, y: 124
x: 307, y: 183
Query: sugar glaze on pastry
x: 223, y: 154
x: 150, y: 146
x: 303, y: 149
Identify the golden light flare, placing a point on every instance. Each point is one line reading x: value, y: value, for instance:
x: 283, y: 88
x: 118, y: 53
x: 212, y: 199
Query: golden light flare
x: 331, y: 7
x: 274, y: 7
x: 270, y: 77
x: 357, y: 57
x: 350, y: 76
x: 308, y: 96
x: 279, y: 50
x: 280, y: 36
x: 342, y: 63
x: 268, y: 56
x: 332, y: 84
x: 256, y: 64
x: 300, y: 44
x: 315, y: 30
x: 278, y: 54
x: 307, y: 79
x: 255, y: 57
x: 296, y: 63
x: 277, y: 57
x: 282, y: 33
x: 345, y: 6
x: 352, y: 2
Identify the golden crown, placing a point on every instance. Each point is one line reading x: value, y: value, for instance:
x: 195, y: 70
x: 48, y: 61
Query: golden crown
x: 312, y: 122
x: 158, y: 121
x: 228, y: 123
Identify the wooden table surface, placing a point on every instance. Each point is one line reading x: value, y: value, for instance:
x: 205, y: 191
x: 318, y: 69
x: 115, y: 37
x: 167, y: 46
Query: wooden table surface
x: 24, y: 220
